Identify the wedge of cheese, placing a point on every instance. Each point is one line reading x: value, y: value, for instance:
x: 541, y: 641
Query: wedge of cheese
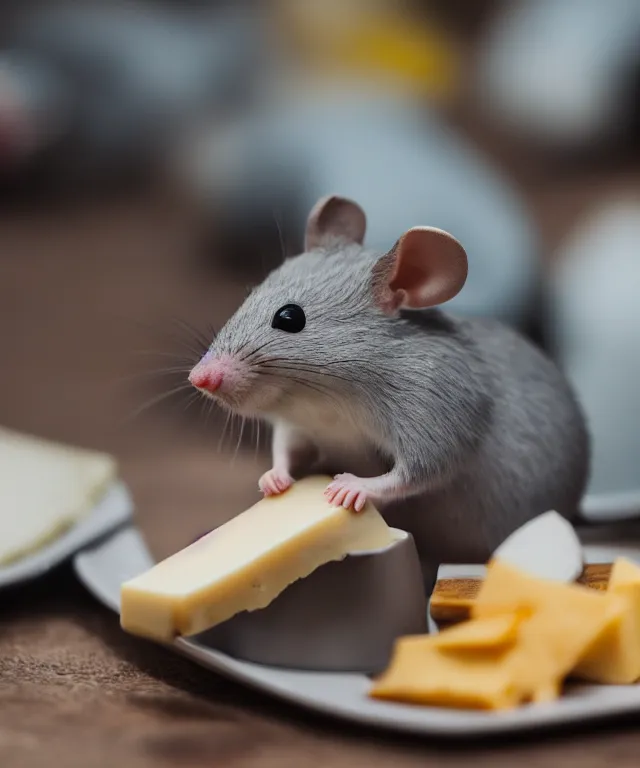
x: 246, y: 563
x: 45, y: 488
x: 614, y: 656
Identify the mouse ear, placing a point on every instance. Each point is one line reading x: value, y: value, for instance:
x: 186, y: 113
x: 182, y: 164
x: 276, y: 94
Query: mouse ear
x: 333, y: 219
x: 425, y: 267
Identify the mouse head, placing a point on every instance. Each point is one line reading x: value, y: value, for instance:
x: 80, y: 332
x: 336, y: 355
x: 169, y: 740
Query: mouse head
x: 327, y: 325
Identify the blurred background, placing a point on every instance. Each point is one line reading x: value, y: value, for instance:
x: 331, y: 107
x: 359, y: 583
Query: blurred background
x: 158, y: 158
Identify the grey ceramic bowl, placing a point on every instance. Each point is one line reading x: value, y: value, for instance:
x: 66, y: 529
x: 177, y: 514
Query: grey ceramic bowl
x: 344, y: 617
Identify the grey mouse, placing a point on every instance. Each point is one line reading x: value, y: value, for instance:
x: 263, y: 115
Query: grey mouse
x: 458, y: 430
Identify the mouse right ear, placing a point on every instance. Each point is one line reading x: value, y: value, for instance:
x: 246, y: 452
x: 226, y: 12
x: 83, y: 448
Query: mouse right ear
x: 333, y: 219
x: 425, y: 267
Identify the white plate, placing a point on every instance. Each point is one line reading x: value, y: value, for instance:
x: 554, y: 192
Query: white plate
x: 105, y: 565
x: 611, y: 507
x: 115, y: 508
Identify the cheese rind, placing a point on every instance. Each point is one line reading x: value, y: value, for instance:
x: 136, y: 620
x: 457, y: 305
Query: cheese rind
x: 246, y: 563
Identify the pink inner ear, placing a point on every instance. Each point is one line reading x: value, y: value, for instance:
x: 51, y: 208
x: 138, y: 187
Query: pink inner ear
x: 428, y: 268
x: 411, y: 274
x: 335, y: 218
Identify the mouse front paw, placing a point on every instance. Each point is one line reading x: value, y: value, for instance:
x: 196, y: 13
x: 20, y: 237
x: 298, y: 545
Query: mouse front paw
x: 347, y: 491
x: 275, y: 481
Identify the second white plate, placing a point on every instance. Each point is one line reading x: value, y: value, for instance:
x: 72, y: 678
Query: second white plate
x: 114, y: 509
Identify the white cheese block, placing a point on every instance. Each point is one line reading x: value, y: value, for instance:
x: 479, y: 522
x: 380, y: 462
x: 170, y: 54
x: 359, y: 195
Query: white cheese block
x: 246, y: 563
x: 45, y: 488
x: 546, y: 547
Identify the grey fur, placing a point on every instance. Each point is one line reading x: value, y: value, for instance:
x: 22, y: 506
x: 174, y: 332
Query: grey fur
x: 484, y: 429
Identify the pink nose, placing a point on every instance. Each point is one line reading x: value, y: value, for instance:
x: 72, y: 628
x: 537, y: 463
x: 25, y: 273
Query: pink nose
x: 204, y: 379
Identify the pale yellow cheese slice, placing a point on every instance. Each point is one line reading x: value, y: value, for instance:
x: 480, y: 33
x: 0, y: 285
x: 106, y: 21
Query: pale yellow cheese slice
x: 614, y: 657
x: 564, y: 619
x: 527, y: 636
x: 494, y: 632
x: 45, y: 488
x: 246, y: 563
x: 624, y: 573
x: 424, y: 671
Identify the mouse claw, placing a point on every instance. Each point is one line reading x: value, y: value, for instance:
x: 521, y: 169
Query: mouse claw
x: 347, y: 491
x: 274, y: 482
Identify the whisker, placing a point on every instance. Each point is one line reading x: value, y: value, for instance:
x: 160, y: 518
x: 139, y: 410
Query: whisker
x: 160, y: 353
x: 239, y: 443
x: 186, y: 343
x: 167, y: 331
x: 280, y: 237
x: 307, y: 367
x: 306, y: 370
x: 316, y: 388
x: 242, y: 346
x: 193, y: 398
x: 196, y: 351
x: 310, y: 363
x: 358, y: 361
x: 180, y: 332
x: 199, y: 335
x: 172, y: 370
x: 158, y: 399
x: 210, y: 404
x: 197, y: 348
x: 321, y: 390
x: 212, y: 332
x: 255, y: 351
x: 257, y: 437
x: 234, y: 421
x: 224, y: 431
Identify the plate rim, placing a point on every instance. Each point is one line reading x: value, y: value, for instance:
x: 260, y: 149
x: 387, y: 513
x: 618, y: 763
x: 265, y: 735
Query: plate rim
x: 113, y: 509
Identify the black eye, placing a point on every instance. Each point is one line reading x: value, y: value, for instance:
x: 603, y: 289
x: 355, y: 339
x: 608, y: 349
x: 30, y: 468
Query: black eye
x: 289, y: 318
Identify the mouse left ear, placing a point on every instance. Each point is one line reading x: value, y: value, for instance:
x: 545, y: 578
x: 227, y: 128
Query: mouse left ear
x: 334, y: 219
x: 425, y: 267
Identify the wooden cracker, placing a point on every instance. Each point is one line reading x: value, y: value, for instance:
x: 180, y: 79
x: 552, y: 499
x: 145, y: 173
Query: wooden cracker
x: 452, y: 599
